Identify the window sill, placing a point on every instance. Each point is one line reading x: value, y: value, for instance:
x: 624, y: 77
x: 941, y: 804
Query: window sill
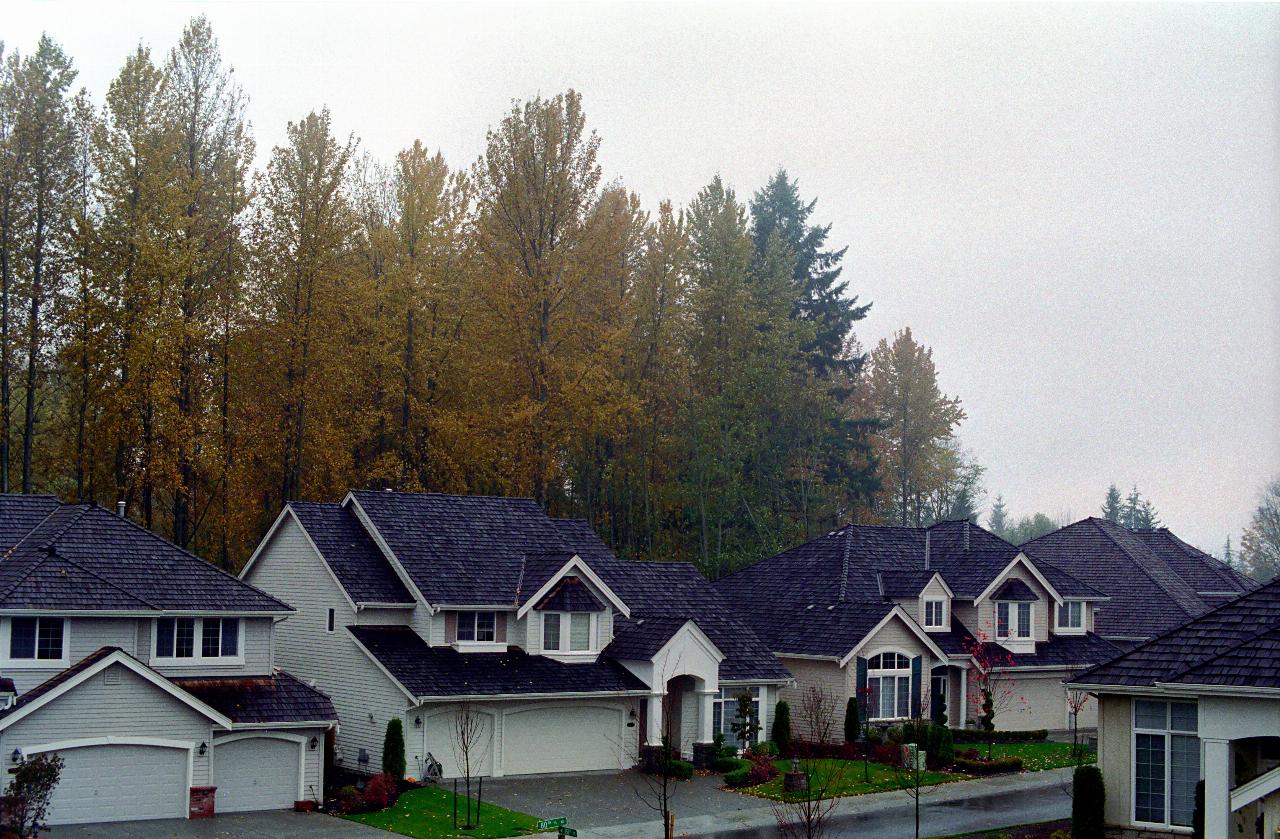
x: 35, y: 664
x: 940, y: 628
x: 480, y: 646
x: 229, y: 661
x: 571, y: 657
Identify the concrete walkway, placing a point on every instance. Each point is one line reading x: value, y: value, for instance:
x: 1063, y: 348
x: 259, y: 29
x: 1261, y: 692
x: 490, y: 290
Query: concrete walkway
x: 981, y: 804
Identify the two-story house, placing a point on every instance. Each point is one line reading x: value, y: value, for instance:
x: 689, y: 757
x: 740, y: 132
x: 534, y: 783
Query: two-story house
x: 884, y: 608
x: 148, y: 670
x: 452, y: 612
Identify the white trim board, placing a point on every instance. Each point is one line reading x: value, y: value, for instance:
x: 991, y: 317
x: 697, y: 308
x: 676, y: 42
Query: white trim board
x: 574, y: 562
x: 1030, y: 566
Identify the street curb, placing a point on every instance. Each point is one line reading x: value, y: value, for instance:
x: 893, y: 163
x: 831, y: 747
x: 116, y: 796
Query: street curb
x: 748, y: 824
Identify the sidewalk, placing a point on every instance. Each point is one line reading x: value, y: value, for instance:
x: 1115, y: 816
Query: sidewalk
x: 983, y: 803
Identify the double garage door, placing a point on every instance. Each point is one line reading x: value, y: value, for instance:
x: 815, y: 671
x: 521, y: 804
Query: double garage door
x: 543, y: 739
x: 114, y: 782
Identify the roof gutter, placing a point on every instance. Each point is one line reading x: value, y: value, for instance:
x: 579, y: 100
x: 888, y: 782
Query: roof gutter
x: 496, y: 697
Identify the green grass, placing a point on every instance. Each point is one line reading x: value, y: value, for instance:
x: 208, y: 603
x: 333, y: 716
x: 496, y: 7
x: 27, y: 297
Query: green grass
x: 427, y: 813
x: 1035, y: 756
x: 845, y: 777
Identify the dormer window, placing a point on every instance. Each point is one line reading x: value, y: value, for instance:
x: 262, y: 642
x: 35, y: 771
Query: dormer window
x: 934, y: 614
x: 1071, y: 615
x: 1013, y: 620
x: 568, y: 632
x: 478, y: 626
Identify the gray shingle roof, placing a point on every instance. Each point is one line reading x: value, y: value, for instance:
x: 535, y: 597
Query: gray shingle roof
x: 1066, y: 651
x: 570, y: 595
x: 443, y: 671
x: 279, y: 698
x: 19, y: 514
x: 1234, y: 645
x: 351, y: 553
x: 640, y: 639
x: 1150, y: 590
x: 81, y: 557
x: 1015, y: 590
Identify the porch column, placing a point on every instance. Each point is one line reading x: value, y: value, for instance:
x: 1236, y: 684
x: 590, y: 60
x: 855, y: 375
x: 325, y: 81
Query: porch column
x: 1217, y: 787
x: 654, y: 721
x: 706, y: 715
x: 964, y: 698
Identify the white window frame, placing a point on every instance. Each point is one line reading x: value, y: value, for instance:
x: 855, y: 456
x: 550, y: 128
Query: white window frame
x: 566, y: 626
x: 474, y: 629
x: 724, y: 707
x: 1168, y: 733
x: 198, y: 658
x: 1012, y: 621
x: 6, y: 635
x: 900, y: 675
x: 330, y: 620
x: 1064, y: 610
x: 942, y: 613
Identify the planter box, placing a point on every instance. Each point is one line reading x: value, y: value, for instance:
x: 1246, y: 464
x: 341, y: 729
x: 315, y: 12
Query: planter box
x: 202, y: 802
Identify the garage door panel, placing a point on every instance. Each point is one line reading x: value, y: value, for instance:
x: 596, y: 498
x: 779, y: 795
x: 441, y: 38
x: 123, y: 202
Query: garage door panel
x: 118, y: 782
x: 255, y: 773
x: 562, y: 739
x: 441, y: 744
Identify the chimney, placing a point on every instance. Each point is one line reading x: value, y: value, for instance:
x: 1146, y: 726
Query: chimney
x: 120, y: 509
x: 926, y: 550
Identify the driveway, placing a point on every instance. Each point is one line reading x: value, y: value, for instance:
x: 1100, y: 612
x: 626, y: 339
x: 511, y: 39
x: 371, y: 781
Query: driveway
x: 276, y: 824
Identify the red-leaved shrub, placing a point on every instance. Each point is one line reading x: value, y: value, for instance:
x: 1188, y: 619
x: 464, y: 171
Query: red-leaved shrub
x: 762, y: 770
x: 381, y: 791
x: 887, y: 753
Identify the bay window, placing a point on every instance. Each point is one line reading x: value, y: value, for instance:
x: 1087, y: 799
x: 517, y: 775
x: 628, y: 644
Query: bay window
x: 1166, y: 762
x: 477, y: 626
x: 176, y: 640
x: 889, y: 682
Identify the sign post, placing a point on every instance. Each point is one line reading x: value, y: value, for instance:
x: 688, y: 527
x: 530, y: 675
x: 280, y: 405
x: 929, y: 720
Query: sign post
x: 560, y: 824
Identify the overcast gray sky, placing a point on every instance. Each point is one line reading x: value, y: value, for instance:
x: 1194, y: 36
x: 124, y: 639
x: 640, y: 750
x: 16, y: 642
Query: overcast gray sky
x: 1077, y: 207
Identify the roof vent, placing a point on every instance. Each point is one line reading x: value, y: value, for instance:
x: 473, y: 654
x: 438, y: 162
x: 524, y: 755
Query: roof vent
x: 807, y: 608
x: 927, y: 534
x: 120, y: 507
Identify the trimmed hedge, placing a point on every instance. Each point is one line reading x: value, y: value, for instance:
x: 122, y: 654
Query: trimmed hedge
x: 738, y: 777
x: 681, y: 769
x: 725, y: 765
x: 976, y: 735
x: 1088, y: 800
x: 995, y: 766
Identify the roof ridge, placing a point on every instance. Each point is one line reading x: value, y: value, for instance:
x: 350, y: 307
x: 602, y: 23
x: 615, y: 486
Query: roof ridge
x: 1161, y: 583
x: 103, y: 579
x: 36, y: 527
x: 80, y: 511
x: 8, y: 591
x: 844, y: 564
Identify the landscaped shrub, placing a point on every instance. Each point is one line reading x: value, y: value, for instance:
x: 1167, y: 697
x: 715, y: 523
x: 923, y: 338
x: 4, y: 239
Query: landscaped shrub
x: 762, y: 770
x: 350, y: 800
x: 781, y: 731
x: 737, y: 778
x: 994, y: 766
x: 894, y: 735
x: 393, y: 749
x: 942, y: 746
x: 681, y: 769
x: 766, y: 748
x: 887, y: 753
x: 725, y: 765
x: 381, y: 792
x: 1088, y: 799
x: 26, y: 800
x: 851, y: 723
x: 974, y: 735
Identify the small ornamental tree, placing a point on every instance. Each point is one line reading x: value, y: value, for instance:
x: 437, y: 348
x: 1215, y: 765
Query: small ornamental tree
x: 28, y: 794
x: 745, y: 725
x: 990, y: 686
x: 781, y: 731
x: 852, y: 729
x: 393, y: 749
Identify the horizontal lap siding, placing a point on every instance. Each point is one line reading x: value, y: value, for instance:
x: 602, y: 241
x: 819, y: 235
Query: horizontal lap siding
x: 132, y: 707
x: 364, y: 697
x: 255, y: 641
x: 87, y: 635
x: 834, y: 681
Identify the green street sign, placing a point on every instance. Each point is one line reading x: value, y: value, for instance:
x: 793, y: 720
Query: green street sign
x: 548, y: 824
x: 567, y: 831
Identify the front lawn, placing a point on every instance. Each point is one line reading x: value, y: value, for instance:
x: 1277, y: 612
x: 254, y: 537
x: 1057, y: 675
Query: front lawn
x: 848, y: 778
x: 1035, y: 756
x: 427, y: 813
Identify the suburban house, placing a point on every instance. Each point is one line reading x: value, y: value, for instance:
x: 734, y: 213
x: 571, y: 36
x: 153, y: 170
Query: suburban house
x: 148, y: 670
x: 1153, y: 580
x: 1199, y: 702
x: 451, y: 611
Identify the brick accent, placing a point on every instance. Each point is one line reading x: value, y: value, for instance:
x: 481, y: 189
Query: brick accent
x: 202, y: 802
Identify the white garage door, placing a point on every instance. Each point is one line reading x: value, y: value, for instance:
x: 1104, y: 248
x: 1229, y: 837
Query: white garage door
x: 256, y: 773
x: 562, y: 739
x: 120, y: 782
x: 442, y: 743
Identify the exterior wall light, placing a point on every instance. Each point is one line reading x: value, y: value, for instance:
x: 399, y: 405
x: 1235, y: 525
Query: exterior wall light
x: 204, y: 749
x: 313, y: 744
x: 17, y: 755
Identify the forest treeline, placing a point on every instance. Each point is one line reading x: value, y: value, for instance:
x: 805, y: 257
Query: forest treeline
x: 205, y: 342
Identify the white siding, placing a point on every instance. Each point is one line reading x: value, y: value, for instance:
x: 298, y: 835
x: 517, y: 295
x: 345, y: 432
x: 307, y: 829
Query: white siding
x: 130, y: 707
x: 87, y: 635
x: 834, y: 681
x: 238, y: 757
x: 364, y: 697
x: 255, y: 642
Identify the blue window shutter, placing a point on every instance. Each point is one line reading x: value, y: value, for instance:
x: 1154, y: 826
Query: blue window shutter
x: 917, y: 668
